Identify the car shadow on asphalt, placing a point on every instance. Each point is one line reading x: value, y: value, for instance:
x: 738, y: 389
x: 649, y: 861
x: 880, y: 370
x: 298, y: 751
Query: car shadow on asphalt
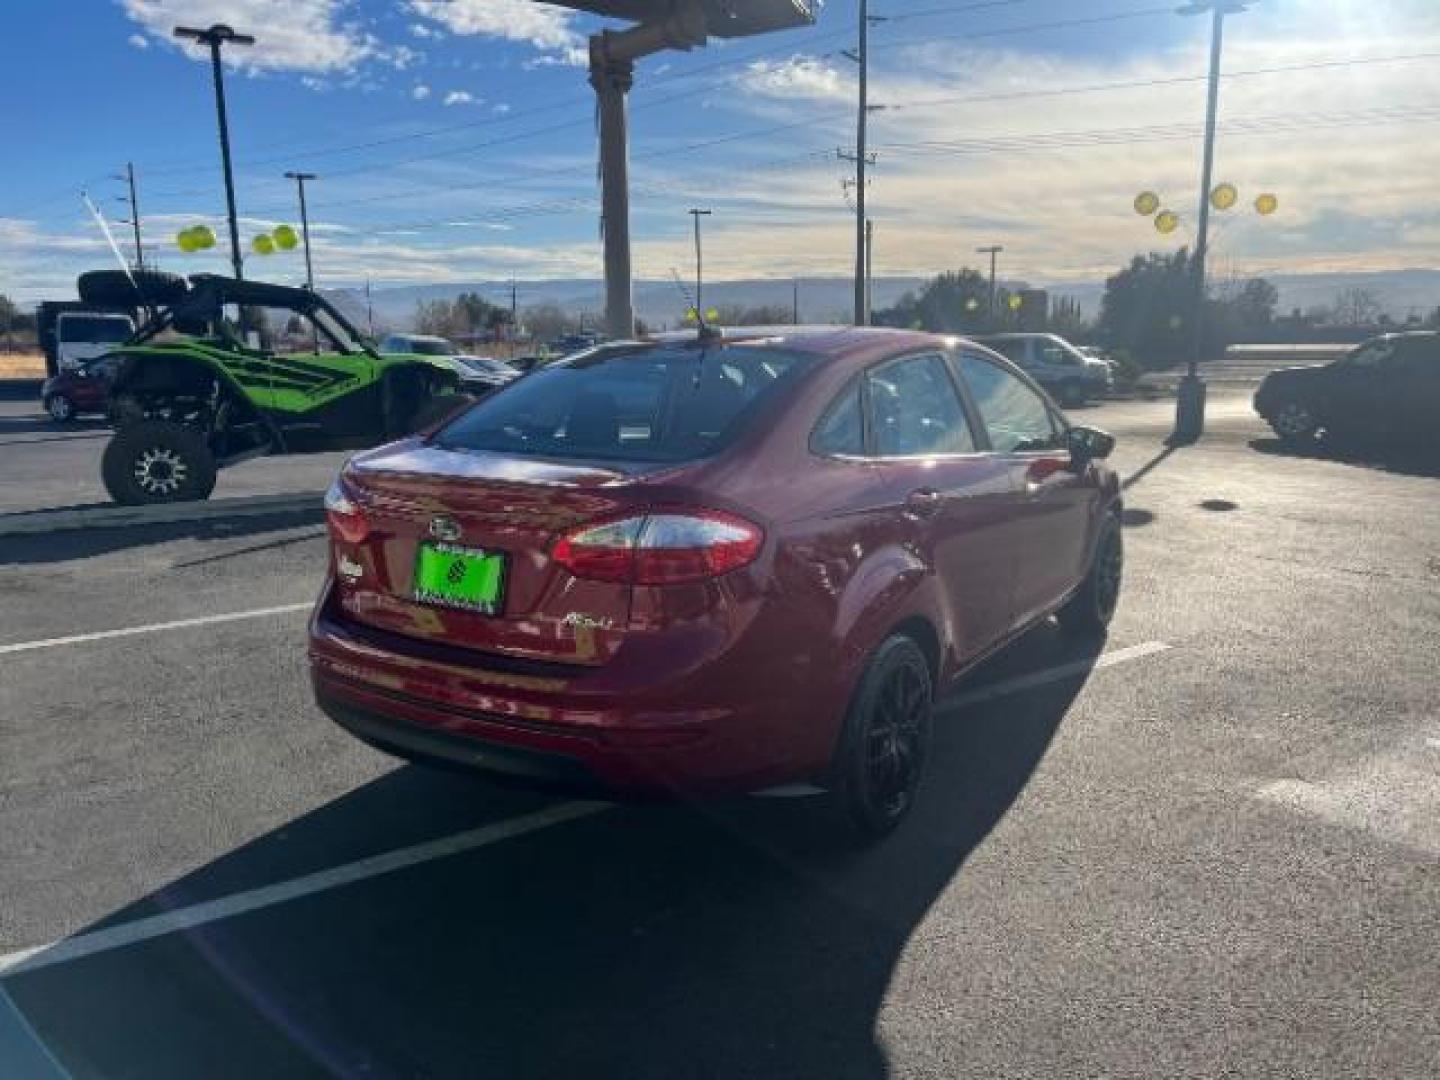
x: 1403, y: 460
x: 41, y: 424
x: 712, y: 940
x: 67, y: 546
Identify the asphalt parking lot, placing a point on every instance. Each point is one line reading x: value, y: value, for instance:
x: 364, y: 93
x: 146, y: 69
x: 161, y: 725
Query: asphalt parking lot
x: 1209, y: 848
x: 49, y: 465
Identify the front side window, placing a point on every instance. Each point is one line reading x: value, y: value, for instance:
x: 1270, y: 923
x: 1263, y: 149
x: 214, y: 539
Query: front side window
x: 1016, y: 416
x: 916, y: 410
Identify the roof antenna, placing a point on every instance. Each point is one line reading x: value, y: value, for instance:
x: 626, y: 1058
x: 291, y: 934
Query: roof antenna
x: 114, y: 247
x: 707, y: 333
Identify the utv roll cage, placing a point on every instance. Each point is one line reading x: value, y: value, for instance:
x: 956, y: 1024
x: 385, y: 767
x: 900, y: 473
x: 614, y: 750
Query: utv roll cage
x: 199, y: 312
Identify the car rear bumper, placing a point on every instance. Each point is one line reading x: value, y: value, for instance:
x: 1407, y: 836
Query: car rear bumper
x: 528, y: 726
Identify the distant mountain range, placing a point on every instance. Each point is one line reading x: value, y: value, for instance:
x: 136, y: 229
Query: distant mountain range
x: 657, y: 303
x: 829, y: 299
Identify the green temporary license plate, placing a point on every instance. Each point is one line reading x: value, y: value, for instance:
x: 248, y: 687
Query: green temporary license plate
x: 460, y: 577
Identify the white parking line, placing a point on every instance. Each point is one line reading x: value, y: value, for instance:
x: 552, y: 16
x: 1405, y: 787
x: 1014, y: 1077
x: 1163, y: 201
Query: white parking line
x: 153, y: 926
x: 154, y: 628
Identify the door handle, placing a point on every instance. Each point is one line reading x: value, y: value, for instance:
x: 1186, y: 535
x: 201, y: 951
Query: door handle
x: 923, y: 502
x: 1041, y: 470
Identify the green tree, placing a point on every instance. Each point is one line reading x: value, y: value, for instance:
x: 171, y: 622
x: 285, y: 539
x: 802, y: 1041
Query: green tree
x: 954, y: 302
x: 1146, y: 307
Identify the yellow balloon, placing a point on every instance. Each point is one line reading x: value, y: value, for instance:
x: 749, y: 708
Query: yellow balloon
x: 263, y: 245
x: 1167, y: 221
x: 1146, y: 203
x: 1224, y: 196
x: 204, y: 236
x: 1015, y: 303
x: 185, y: 240
x: 712, y: 315
x: 285, y: 238
x: 1266, y: 205
x: 691, y: 315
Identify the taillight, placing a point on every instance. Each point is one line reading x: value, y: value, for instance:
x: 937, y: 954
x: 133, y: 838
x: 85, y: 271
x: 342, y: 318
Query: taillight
x: 661, y: 548
x: 343, y: 514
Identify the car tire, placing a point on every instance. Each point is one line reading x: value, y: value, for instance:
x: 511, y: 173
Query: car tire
x: 884, y: 744
x: 1088, y: 613
x: 1294, y: 422
x: 153, y: 462
x: 60, y: 408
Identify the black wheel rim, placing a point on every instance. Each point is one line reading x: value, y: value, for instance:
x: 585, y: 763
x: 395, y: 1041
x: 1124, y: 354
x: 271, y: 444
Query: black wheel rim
x: 1108, y: 573
x: 895, y: 740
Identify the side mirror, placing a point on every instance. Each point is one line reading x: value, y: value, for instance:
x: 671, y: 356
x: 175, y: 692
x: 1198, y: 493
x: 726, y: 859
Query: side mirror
x: 1089, y: 444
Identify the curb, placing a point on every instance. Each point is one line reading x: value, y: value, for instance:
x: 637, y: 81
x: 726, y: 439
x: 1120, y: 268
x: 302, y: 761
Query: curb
x: 70, y: 519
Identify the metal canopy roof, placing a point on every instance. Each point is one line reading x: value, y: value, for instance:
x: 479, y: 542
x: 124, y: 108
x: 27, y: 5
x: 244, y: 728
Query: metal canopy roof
x: 723, y: 18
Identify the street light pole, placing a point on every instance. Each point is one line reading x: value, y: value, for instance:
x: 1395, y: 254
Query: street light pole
x: 993, y: 250
x: 1190, y: 399
x: 216, y: 37
x: 699, y: 267
x: 300, y: 178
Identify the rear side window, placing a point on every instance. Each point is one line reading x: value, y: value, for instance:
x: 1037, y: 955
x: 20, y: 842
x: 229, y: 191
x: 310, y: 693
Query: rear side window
x: 664, y: 404
x: 1016, y: 416
x: 842, y: 431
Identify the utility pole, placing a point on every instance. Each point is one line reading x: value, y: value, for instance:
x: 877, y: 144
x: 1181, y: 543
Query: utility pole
x: 1190, y: 398
x: 300, y: 178
x: 869, y: 270
x: 369, y: 309
x: 514, y: 316
x: 134, y: 202
x: 795, y: 303
x: 861, y: 57
x: 216, y: 37
x: 699, y: 267
x: 993, y: 250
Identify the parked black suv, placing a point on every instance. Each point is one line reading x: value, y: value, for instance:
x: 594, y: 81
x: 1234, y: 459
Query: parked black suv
x: 1388, y: 388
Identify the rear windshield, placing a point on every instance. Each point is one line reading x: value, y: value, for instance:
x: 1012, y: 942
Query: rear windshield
x: 89, y: 329
x: 660, y: 404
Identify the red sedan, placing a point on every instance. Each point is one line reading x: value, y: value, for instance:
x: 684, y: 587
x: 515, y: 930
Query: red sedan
x: 711, y: 566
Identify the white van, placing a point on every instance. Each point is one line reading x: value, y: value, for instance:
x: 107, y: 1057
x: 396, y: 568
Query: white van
x: 84, y: 335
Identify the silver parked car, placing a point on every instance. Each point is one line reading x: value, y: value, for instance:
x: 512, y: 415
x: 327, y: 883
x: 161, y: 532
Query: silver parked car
x: 1070, y: 376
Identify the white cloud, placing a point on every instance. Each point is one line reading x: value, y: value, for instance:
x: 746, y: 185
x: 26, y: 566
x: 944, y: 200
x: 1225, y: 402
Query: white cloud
x: 420, y: 92
x: 420, y: 30
x: 291, y: 35
x: 459, y: 97
x: 546, y: 28
x: 138, y: 41
x: 401, y: 57
x: 501, y: 109
x: 798, y: 78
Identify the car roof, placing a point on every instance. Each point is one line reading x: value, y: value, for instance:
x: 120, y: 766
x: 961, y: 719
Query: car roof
x: 866, y: 343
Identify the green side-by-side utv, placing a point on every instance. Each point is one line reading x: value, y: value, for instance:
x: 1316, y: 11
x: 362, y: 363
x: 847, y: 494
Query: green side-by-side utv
x: 208, y: 381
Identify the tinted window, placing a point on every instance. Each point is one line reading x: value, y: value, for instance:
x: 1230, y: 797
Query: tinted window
x: 1373, y: 354
x: 916, y: 410
x: 1053, y: 353
x: 663, y: 404
x: 1017, y: 417
x: 94, y: 331
x: 842, y: 431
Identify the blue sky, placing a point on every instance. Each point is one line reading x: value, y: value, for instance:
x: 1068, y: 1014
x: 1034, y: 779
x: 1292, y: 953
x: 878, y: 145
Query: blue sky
x: 454, y: 141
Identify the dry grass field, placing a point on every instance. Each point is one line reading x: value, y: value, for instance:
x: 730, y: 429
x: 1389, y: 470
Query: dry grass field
x: 22, y: 366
